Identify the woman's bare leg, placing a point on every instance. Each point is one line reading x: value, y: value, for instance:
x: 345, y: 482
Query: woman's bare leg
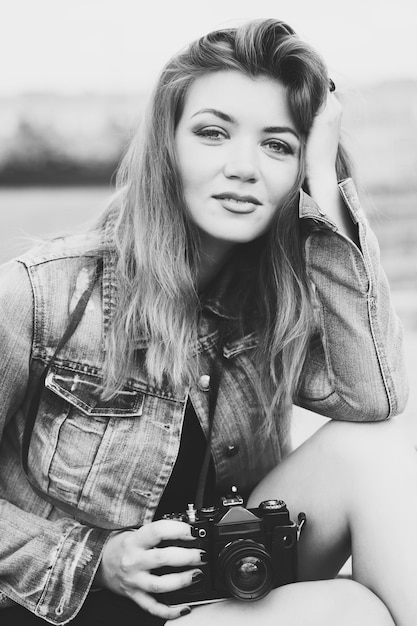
x: 357, y: 483
x: 321, y: 603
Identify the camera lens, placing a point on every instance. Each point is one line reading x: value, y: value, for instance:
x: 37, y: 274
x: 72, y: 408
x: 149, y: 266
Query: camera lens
x: 247, y: 569
x: 248, y: 573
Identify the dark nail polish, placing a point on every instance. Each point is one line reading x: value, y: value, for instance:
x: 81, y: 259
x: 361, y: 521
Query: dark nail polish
x: 185, y: 611
x: 197, y: 576
x: 203, y: 557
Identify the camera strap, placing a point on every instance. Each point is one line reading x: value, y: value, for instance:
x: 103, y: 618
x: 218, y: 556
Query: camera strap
x: 215, y: 378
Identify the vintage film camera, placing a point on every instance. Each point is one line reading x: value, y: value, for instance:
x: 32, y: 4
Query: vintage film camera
x: 249, y: 551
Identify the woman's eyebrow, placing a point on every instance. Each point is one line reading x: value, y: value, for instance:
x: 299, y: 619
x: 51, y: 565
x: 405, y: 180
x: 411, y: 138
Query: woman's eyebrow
x: 220, y: 114
x: 281, y: 129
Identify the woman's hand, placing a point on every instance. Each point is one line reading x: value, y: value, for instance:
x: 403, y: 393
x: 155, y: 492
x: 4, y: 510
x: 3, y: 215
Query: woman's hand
x: 322, y: 143
x: 129, y: 558
x: 321, y: 174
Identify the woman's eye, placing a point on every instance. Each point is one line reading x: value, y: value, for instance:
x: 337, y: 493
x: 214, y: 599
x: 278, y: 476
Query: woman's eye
x: 211, y: 133
x: 278, y: 147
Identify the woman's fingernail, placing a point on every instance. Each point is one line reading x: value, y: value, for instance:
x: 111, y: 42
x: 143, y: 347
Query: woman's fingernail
x: 197, y: 576
x: 203, y: 556
x: 185, y: 611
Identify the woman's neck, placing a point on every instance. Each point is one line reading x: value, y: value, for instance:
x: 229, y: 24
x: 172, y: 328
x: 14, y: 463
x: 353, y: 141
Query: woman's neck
x: 213, y: 256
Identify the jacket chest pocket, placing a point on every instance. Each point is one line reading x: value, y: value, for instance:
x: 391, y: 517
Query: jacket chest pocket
x: 74, y: 432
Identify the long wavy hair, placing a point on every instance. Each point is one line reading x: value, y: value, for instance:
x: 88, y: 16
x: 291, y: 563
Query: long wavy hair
x: 157, y: 246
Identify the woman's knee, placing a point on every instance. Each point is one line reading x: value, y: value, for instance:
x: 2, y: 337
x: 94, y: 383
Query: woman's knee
x: 355, y: 444
x: 339, y: 457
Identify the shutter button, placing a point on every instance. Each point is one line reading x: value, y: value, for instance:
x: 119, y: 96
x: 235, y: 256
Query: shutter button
x: 232, y: 450
x: 204, y: 382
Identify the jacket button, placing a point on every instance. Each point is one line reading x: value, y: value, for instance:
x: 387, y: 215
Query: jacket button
x: 204, y: 382
x: 232, y: 450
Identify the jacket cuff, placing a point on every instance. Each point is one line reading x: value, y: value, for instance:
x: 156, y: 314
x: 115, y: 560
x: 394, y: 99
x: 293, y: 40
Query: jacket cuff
x: 71, y: 574
x: 308, y: 209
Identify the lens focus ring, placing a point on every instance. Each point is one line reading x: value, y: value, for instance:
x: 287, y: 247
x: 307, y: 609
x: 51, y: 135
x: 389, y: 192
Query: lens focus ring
x: 246, y: 569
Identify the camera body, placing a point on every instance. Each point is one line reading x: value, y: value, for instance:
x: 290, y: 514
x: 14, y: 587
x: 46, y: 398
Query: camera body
x: 249, y: 551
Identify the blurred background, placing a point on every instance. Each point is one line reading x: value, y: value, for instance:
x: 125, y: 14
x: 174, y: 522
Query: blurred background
x: 76, y: 74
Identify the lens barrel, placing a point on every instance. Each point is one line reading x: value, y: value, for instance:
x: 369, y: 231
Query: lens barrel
x: 246, y: 569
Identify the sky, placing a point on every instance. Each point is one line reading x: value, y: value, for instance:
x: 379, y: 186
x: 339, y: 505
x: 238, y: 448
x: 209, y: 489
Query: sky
x: 78, y: 46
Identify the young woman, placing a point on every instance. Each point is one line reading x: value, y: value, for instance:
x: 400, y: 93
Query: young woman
x: 235, y: 260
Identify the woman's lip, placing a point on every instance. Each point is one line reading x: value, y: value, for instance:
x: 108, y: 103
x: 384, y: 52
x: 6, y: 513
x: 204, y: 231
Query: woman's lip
x: 234, y: 206
x: 237, y: 197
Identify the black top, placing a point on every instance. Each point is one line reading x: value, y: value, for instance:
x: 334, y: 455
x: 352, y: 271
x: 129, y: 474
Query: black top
x: 182, y: 485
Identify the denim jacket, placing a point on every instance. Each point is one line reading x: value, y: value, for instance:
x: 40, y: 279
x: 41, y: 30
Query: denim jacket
x: 111, y: 460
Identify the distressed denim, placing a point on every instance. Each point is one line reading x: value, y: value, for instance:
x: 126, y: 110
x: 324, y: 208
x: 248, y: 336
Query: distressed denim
x: 111, y: 460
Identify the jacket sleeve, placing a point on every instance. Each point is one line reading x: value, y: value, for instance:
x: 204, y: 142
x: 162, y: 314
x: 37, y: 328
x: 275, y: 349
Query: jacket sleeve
x: 355, y: 369
x: 46, y: 566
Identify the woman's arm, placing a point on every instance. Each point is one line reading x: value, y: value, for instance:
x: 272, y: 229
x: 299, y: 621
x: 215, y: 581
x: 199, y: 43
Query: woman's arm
x: 355, y: 370
x: 45, y: 566
x: 321, y: 174
x: 49, y: 566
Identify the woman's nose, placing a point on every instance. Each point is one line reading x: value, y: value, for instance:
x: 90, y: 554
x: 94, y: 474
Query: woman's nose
x: 242, y: 163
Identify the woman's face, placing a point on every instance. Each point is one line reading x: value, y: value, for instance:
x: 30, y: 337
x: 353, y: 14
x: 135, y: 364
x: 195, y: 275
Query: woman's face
x: 238, y: 154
